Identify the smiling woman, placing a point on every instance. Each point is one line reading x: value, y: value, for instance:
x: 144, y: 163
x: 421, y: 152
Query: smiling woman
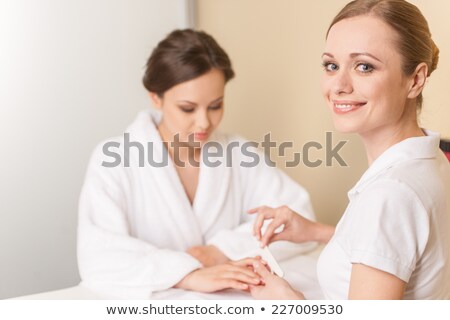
x: 393, y: 240
x: 364, y: 84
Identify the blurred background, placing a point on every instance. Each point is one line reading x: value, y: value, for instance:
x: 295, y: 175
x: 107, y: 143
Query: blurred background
x: 70, y: 76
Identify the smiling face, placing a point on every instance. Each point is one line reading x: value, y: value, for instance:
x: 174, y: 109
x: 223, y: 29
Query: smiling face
x: 363, y: 82
x: 193, y: 107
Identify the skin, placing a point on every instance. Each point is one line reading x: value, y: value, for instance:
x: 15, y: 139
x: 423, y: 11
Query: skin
x: 235, y: 275
x: 194, y: 108
x: 362, y: 73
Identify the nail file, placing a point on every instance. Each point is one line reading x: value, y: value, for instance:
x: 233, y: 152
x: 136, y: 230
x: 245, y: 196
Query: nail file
x: 273, y: 264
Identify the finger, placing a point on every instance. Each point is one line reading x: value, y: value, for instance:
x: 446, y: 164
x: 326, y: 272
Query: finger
x: 261, y: 270
x: 259, y: 221
x: 255, y: 210
x: 264, y: 213
x: 270, y: 232
x: 264, y: 262
x: 245, y: 262
x: 249, y: 272
x: 262, y: 209
x: 233, y: 284
x: 278, y: 236
x: 241, y: 277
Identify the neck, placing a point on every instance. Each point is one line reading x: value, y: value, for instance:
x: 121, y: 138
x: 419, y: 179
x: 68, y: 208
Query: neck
x: 181, y: 153
x: 377, y: 143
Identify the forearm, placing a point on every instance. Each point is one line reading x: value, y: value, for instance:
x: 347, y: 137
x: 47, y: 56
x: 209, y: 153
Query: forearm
x: 322, y: 233
x: 186, y: 282
x: 208, y: 255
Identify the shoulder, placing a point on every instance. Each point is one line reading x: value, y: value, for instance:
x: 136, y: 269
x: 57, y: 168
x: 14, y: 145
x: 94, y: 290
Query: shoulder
x: 105, y: 149
x: 105, y: 161
x: 417, y: 180
x: 387, y: 208
x: 389, y: 194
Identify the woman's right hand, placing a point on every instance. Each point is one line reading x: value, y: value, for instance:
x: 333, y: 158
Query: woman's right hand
x: 296, y: 228
x: 234, y: 274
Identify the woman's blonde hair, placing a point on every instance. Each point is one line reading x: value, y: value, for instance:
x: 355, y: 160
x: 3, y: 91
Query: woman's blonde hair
x: 414, y: 41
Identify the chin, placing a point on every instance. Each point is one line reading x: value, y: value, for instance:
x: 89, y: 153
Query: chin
x: 344, y: 127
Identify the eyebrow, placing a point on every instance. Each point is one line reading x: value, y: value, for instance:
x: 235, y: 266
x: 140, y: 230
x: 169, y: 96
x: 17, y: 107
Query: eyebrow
x: 194, y: 104
x: 354, y: 55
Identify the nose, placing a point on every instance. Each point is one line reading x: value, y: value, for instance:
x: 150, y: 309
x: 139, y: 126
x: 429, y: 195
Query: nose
x: 202, y: 119
x: 342, y: 83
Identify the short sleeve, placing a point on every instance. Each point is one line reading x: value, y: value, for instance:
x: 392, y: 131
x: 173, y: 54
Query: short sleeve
x: 390, y: 228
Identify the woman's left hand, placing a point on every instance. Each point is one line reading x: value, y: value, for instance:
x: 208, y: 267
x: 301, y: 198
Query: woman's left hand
x: 273, y: 287
x: 208, y: 256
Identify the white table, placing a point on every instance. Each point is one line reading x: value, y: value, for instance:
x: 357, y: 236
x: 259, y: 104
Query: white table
x: 300, y: 272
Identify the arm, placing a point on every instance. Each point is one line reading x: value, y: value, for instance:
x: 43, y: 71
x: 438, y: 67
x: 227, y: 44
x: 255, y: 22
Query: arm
x: 370, y: 283
x: 110, y: 259
x: 208, y: 255
x: 113, y: 261
x: 388, y: 234
x: 263, y: 185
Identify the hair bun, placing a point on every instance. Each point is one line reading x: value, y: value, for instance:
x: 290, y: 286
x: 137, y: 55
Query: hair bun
x: 434, y: 58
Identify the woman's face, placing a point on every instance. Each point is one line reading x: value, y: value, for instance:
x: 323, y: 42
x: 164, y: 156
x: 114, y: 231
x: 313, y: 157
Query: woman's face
x: 363, y: 82
x: 192, y: 108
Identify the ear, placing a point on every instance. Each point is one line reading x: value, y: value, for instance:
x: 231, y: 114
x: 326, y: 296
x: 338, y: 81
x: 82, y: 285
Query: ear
x: 418, y: 80
x: 156, y: 100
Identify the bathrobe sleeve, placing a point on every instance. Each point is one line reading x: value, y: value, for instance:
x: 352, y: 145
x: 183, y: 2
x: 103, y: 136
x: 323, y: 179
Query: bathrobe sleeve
x: 110, y: 260
x: 269, y: 186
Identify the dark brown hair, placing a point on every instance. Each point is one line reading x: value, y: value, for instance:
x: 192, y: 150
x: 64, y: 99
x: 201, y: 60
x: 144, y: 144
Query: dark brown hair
x: 414, y: 38
x: 184, y: 55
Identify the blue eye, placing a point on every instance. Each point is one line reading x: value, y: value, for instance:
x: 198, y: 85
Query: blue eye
x: 330, y: 67
x: 364, y: 67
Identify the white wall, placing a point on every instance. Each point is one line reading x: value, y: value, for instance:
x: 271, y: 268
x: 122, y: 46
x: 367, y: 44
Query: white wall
x: 70, y: 76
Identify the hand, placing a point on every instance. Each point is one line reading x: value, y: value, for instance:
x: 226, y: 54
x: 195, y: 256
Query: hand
x: 208, y: 255
x: 296, y: 228
x: 273, y: 287
x: 235, y: 275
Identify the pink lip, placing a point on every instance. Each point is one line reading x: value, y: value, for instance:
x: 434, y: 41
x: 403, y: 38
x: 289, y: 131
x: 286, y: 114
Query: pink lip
x: 346, y: 106
x: 201, y: 135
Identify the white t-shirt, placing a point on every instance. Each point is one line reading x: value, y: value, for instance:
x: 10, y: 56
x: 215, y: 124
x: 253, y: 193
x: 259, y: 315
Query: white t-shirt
x: 397, y: 221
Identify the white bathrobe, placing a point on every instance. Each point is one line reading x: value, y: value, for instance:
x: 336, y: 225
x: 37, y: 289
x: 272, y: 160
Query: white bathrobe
x: 135, y: 223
